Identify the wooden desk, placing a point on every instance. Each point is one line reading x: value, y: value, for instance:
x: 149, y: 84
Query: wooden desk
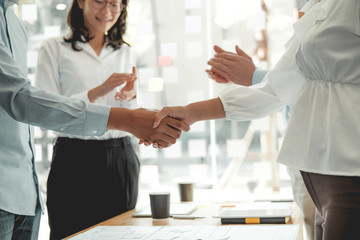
x: 126, y: 219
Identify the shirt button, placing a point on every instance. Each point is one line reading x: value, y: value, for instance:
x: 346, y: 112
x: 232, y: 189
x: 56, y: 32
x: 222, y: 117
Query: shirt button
x: 94, y: 132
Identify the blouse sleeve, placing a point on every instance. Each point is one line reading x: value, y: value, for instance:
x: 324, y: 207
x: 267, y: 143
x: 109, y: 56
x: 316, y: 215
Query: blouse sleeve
x: 280, y: 87
x: 248, y: 103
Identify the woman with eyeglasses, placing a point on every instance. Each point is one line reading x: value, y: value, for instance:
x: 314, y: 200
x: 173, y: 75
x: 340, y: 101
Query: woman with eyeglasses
x: 91, y: 178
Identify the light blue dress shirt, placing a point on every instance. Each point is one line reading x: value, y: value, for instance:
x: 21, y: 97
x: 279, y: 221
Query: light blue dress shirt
x: 22, y: 105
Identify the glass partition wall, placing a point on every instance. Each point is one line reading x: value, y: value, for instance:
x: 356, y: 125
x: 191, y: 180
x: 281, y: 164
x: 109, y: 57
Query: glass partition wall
x: 172, y: 41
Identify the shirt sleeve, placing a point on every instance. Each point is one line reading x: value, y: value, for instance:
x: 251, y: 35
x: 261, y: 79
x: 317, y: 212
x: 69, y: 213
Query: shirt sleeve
x: 248, y: 103
x: 280, y: 87
x: 27, y: 104
x: 258, y: 76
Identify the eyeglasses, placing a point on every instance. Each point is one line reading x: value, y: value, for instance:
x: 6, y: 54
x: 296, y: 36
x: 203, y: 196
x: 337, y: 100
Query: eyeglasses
x: 115, y: 6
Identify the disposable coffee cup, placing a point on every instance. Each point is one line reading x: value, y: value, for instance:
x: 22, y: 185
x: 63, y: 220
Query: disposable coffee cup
x: 160, y: 204
x: 186, y: 191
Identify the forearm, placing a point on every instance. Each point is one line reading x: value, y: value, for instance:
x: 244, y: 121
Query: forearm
x: 206, y: 110
x: 120, y: 119
x: 30, y: 105
x: 95, y: 93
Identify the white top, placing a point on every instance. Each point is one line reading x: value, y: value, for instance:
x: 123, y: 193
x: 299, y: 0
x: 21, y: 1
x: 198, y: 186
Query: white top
x: 73, y: 73
x: 319, y: 77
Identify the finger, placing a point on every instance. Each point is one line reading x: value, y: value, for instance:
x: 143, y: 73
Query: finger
x: 177, y: 124
x: 119, y: 98
x: 218, y: 49
x: 226, y: 63
x: 121, y: 79
x: 134, y: 73
x: 124, y: 77
x: 220, y: 68
x: 220, y: 74
x: 220, y: 79
x: 217, y: 78
x: 228, y: 56
x: 159, y: 116
x: 210, y: 74
x: 162, y: 144
x: 241, y: 52
x: 146, y: 143
x: 165, y: 139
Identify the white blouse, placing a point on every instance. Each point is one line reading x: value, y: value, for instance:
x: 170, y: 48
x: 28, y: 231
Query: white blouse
x: 319, y: 77
x: 72, y: 73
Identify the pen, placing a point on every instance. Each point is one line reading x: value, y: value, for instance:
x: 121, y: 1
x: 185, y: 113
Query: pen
x: 183, y: 216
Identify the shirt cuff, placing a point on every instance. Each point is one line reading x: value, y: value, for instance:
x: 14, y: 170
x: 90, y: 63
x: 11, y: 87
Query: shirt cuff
x: 96, y: 121
x: 258, y: 76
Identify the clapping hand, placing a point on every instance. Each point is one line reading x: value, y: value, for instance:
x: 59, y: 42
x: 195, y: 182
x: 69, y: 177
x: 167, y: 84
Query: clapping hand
x: 228, y: 67
x: 115, y: 80
x: 128, y: 92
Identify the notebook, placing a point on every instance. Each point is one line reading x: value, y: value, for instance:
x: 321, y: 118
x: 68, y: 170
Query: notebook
x: 175, y: 209
x: 256, y: 212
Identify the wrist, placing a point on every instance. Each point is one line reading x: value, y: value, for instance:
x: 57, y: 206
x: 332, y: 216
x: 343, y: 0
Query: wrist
x: 95, y: 93
x: 191, y: 113
x: 119, y: 119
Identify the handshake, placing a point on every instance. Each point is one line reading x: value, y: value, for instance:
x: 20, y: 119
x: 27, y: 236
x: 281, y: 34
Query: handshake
x: 140, y: 123
x: 162, y: 128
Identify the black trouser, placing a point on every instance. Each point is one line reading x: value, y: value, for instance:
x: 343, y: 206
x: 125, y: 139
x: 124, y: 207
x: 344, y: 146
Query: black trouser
x: 89, y: 182
x: 337, y: 199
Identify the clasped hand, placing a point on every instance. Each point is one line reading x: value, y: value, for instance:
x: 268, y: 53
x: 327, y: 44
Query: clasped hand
x: 179, y: 114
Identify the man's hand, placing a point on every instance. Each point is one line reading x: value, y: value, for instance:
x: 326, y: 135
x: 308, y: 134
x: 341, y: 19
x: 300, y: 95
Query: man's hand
x: 228, y: 67
x: 140, y: 122
x: 180, y: 113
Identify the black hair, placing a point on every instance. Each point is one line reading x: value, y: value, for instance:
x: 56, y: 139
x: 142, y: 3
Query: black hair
x: 79, y: 33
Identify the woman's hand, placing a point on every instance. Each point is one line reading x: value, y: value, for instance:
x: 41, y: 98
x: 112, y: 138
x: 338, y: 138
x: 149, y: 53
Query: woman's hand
x: 128, y: 92
x: 115, y: 80
x: 228, y: 67
x: 140, y: 123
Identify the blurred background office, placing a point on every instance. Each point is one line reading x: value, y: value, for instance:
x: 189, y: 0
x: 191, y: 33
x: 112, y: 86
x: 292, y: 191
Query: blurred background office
x: 172, y: 41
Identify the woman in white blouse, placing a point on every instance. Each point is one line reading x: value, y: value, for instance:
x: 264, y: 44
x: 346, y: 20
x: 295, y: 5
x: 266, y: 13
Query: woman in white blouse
x: 319, y: 77
x: 91, y: 178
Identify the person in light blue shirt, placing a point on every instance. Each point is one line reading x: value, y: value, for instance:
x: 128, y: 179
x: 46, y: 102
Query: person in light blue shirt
x: 228, y: 67
x: 22, y: 105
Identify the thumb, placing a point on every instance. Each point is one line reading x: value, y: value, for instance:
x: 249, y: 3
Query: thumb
x: 134, y: 71
x: 158, y: 117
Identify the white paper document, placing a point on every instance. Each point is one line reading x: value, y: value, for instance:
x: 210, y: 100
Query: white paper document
x: 253, y: 232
